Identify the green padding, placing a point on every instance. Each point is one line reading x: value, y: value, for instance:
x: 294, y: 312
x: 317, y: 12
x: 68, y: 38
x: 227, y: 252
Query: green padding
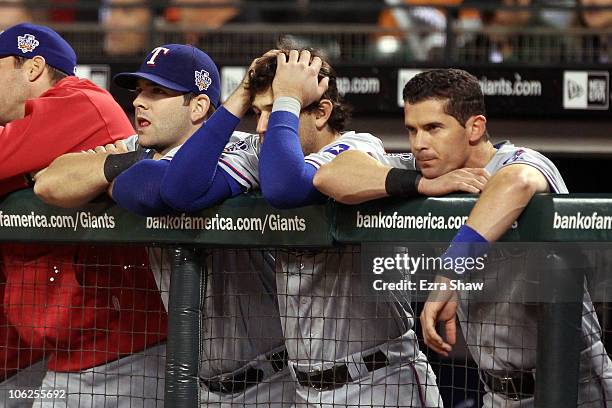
x: 242, y: 221
x: 581, y: 217
x: 548, y: 217
x: 248, y: 221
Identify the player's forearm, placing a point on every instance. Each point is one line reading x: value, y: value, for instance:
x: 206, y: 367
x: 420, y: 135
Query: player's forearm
x: 238, y: 102
x: 286, y: 180
x: 352, y: 178
x: 503, y: 200
x: 191, y: 172
x: 138, y: 188
x: 72, y: 180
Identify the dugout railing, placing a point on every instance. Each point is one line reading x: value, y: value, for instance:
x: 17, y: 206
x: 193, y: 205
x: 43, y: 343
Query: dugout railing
x: 556, y: 219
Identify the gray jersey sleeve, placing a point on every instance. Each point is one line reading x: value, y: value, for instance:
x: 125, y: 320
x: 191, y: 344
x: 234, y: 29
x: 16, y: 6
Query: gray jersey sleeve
x: 347, y: 141
x: 508, y: 155
x: 240, y: 159
x: 398, y: 160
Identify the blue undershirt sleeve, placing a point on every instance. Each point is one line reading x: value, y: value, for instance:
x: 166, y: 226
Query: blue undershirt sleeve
x: 193, y: 173
x: 286, y: 180
x: 137, y: 188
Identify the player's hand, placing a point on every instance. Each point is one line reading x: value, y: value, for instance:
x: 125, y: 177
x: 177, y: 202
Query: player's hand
x: 239, y: 101
x: 441, y: 306
x: 36, y: 174
x: 469, y: 180
x: 297, y: 77
x: 113, y: 148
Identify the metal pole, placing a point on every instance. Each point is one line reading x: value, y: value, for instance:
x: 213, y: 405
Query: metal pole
x: 559, y: 332
x: 184, y: 320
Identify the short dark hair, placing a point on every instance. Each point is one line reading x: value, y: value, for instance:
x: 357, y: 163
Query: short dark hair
x: 460, y: 88
x: 55, y: 75
x: 262, y: 75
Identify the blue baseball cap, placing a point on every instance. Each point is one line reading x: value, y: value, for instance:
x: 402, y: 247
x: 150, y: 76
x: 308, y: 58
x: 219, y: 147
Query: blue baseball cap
x: 182, y: 68
x: 29, y: 40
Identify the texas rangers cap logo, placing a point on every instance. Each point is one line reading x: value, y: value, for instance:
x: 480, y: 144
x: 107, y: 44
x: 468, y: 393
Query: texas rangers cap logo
x: 202, y: 80
x: 27, y: 43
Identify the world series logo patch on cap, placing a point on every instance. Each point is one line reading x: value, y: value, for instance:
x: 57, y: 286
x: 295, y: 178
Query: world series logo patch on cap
x: 27, y: 43
x: 202, y: 80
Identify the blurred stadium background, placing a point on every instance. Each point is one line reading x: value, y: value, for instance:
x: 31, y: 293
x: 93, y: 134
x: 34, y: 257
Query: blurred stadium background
x: 544, y: 64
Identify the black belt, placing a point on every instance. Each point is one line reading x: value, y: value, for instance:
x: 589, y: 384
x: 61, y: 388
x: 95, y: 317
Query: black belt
x: 338, y: 375
x: 517, y: 387
x: 248, y: 377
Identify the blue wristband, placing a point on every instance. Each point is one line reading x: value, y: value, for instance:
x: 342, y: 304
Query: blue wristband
x: 467, y: 247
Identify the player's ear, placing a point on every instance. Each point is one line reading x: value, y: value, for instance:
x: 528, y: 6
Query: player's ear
x: 199, y: 108
x: 476, y: 127
x: 35, y: 67
x: 323, y: 112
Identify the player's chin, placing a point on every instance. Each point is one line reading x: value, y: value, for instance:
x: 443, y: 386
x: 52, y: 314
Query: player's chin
x: 430, y: 172
x: 144, y: 138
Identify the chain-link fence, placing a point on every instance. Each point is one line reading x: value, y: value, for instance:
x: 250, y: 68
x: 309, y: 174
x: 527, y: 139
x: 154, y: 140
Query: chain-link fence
x: 272, y: 308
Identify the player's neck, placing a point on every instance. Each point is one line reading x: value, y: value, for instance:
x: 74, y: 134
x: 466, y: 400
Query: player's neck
x: 40, y: 86
x: 327, y: 137
x: 481, y: 155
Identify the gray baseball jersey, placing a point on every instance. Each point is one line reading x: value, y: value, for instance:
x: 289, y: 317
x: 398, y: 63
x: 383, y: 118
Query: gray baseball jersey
x: 503, y: 336
x: 240, y: 319
x: 324, y: 313
x: 326, y: 316
x: 240, y: 159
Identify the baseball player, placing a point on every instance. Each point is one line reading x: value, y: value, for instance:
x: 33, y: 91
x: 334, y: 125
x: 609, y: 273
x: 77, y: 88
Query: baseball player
x: 243, y: 354
x: 94, y: 328
x: 338, y: 344
x: 444, y: 115
x: 342, y: 350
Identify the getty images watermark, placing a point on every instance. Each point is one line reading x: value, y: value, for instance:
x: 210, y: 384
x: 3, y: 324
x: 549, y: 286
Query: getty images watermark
x: 415, y: 272
x: 514, y: 272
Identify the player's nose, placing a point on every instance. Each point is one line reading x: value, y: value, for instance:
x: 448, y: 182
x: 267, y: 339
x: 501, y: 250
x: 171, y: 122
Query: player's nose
x: 418, y: 141
x: 139, y: 101
x: 262, y: 122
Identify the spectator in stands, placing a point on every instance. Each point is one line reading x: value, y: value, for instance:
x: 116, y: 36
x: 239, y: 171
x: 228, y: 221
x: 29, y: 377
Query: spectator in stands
x: 73, y: 11
x: 598, y: 47
x: 127, y: 25
x: 505, y: 37
x: 597, y: 18
x: 561, y: 16
x: 195, y: 17
x: 14, y: 12
x: 99, y: 327
x: 418, y: 32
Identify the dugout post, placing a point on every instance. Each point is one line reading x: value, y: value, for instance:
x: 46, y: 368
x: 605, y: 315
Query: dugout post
x: 559, y: 330
x: 182, y: 388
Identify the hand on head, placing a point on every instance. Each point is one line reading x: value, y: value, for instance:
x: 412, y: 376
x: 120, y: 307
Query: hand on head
x: 297, y: 76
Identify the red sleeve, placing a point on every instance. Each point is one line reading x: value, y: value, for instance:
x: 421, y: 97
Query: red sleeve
x: 62, y: 121
x: 12, y: 184
x: 14, y: 353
